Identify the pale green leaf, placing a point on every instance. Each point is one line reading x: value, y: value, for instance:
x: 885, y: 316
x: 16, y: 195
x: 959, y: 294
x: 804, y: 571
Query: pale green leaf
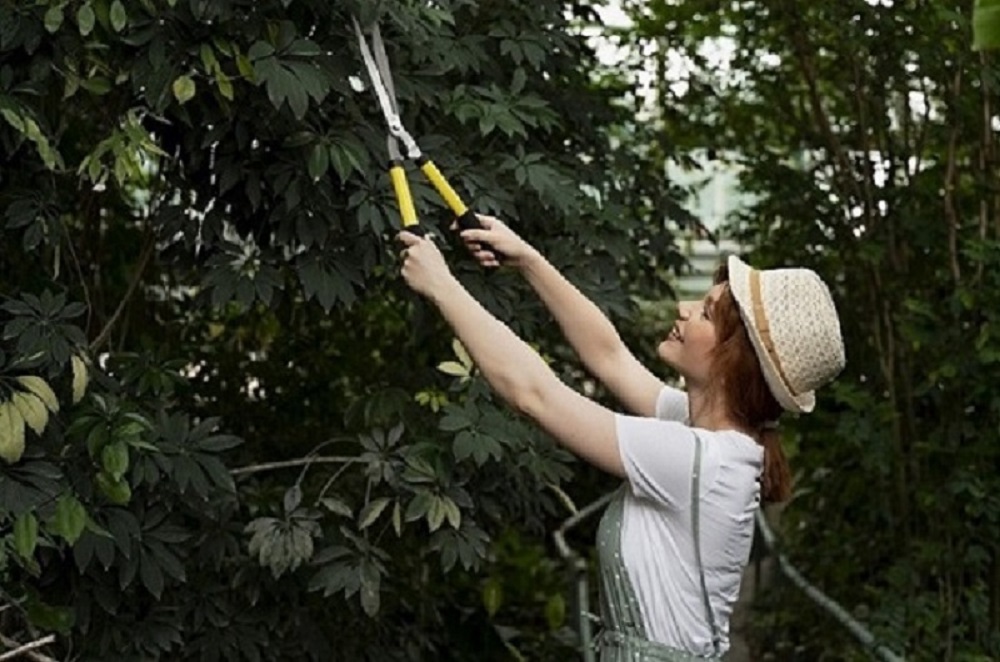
x: 453, y: 368
x: 336, y: 506
x: 436, y: 514
x: 85, y: 19
x: 70, y: 518
x: 371, y: 512
x: 25, y: 535
x: 492, y: 596
x: 184, y: 89
x: 451, y: 512
x: 118, y: 16
x: 54, y: 18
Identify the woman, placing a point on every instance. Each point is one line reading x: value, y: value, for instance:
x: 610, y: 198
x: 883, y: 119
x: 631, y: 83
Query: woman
x: 759, y: 342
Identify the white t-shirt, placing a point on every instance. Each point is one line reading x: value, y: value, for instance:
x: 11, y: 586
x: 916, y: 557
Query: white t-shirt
x: 657, y: 541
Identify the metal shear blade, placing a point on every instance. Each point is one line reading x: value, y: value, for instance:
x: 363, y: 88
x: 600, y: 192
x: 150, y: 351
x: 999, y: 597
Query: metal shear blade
x: 380, y: 75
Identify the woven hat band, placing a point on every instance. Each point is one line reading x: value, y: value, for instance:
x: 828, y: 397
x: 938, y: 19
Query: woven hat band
x: 764, y: 327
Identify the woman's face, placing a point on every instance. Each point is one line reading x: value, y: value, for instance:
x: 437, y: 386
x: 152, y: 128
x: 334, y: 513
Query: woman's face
x: 689, y: 345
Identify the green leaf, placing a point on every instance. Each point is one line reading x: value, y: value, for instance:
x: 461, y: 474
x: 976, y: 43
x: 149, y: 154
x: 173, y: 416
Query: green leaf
x: 117, y: 492
x: 54, y: 18
x: 370, y: 584
x: 99, y: 85
x: 452, y: 512
x: 225, y: 85
x: 208, y: 58
x: 13, y: 119
x: 319, y: 161
x: 183, y: 88
x: 371, y: 512
x: 517, y: 82
x: 418, y: 506
x: 455, y: 420
x: 293, y: 497
x: 25, y: 535
x: 555, y: 611
x: 347, y: 156
x: 492, y: 596
x: 119, y: 18
x: 336, y: 506
x: 245, y: 67
x: 48, y: 617
x: 464, y: 445
x: 454, y: 369
x: 293, y: 91
x: 70, y: 518
x: 310, y: 79
x: 304, y: 48
x: 85, y: 19
x: 151, y: 574
x: 260, y: 50
x: 435, y: 514
x: 115, y: 459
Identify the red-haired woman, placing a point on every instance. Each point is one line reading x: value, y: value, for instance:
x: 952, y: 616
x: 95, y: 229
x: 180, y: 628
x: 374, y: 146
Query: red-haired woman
x: 696, y: 465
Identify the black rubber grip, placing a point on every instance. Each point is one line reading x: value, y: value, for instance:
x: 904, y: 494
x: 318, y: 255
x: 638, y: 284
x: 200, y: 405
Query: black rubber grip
x: 468, y: 221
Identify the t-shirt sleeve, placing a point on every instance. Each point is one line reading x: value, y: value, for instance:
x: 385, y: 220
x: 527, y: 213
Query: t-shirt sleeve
x: 672, y: 404
x: 658, y: 457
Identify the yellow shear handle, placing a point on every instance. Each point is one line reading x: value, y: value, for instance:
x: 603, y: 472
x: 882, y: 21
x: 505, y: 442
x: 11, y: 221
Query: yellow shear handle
x: 403, y: 197
x: 444, y: 189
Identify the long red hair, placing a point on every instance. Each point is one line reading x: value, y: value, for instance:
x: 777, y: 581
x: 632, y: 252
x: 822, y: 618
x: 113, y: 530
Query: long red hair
x: 736, y: 372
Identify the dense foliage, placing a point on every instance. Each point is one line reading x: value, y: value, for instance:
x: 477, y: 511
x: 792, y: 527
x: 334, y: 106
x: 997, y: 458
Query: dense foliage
x: 239, y: 444
x: 865, y: 134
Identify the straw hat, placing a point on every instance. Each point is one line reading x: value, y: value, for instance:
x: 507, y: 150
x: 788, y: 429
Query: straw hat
x: 794, y: 328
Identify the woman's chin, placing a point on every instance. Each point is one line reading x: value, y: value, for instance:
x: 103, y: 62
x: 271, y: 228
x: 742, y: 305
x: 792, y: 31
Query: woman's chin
x: 667, y: 352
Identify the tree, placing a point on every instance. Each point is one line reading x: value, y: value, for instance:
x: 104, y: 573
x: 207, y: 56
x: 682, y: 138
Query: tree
x: 866, y: 135
x: 240, y: 443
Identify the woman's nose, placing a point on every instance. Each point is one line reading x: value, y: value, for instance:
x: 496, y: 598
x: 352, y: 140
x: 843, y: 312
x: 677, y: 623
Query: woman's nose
x: 684, y: 310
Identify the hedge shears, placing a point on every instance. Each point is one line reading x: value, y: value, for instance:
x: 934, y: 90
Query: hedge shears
x: 380, y: 75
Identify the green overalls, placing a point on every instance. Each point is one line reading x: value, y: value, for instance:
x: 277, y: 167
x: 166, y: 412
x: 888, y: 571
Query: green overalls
x: 624, y: 637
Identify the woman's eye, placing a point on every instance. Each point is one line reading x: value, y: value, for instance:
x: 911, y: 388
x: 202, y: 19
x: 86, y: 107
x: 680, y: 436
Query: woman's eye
x: 704, y: 313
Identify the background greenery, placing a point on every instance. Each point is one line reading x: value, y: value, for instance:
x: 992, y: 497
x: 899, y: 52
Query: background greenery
x: 258, y: 445
x: 866, y: 135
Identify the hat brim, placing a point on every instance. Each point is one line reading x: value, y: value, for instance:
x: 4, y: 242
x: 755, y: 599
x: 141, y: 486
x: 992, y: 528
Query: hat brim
x: 739, y: 285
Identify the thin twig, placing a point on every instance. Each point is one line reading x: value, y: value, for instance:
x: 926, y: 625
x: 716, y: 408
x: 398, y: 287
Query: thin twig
x: 147, y: 253
x: 330, y: 481
x: 75, y: 261
x: 28, y: 649
x: 286, y: 464
x: 567, y: 502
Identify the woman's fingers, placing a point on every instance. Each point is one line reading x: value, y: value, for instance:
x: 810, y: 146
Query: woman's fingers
x: 408, y: 238
x: 487, y: 221
x: 486, y: 258
x: 476, y: 236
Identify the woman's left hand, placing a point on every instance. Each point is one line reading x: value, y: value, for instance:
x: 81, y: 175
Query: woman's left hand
x: 424, y: 268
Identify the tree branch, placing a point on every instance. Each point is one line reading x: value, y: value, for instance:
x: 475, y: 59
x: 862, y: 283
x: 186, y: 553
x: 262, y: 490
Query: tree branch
x: 287, y: 464
x: 147, y: 253
x: 985, y: 157
x: 801, y: 49
x: 950, y: 212
x: 28, y: 649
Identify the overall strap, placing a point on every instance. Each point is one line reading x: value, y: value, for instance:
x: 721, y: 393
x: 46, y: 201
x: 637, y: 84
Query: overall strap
x: 695, y: 499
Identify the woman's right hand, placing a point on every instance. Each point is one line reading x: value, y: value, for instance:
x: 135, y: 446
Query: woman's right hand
x: 495, y: 232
